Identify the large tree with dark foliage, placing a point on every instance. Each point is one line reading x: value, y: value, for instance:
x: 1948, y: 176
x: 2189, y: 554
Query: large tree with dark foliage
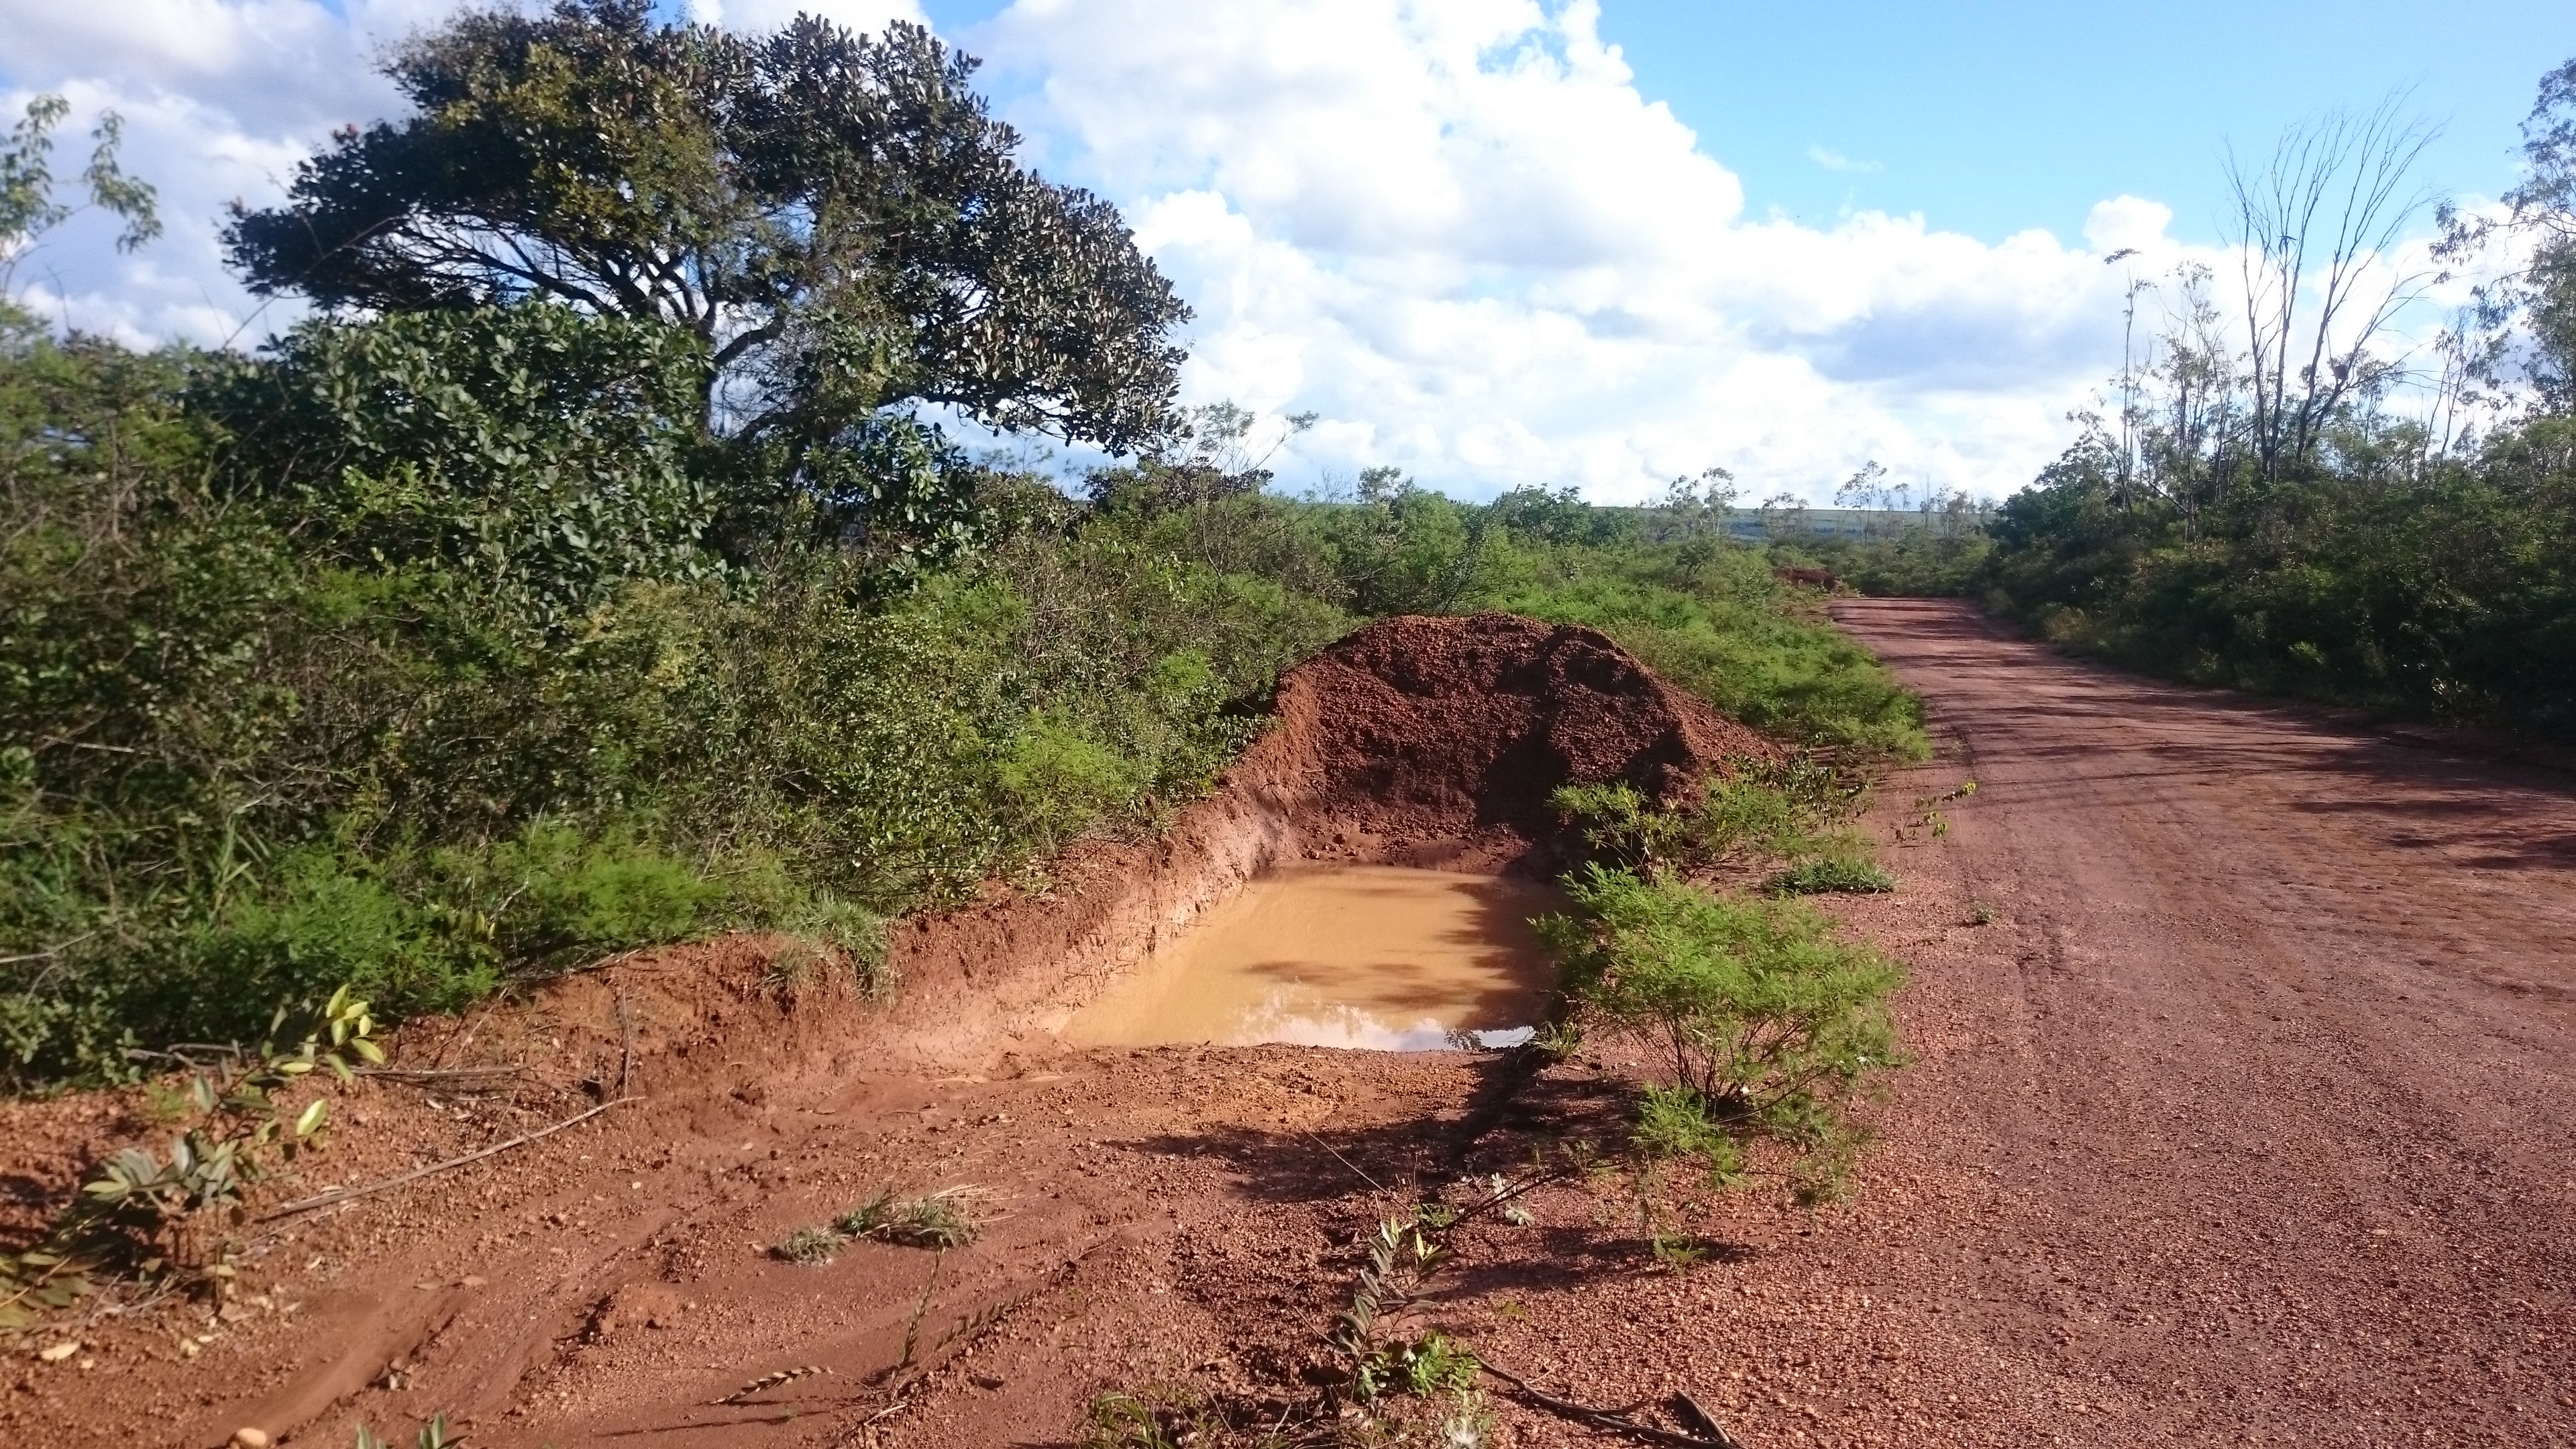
x: 838, y: 220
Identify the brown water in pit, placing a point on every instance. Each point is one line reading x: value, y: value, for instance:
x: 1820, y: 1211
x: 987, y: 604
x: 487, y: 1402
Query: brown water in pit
x: 1374, y: 956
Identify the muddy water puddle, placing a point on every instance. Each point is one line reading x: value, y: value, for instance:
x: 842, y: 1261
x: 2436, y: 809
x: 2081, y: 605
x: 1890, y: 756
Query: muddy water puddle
x: 1381, y: 957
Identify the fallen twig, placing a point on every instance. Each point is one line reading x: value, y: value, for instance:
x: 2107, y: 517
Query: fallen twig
x: 768, y: 1381
x: 626, y: 1040
x: 346, y: 1194
x: 1687, y: 1409
x: 436, y: 1074
x: 1338, y: 1157
x: 1616, y: 1420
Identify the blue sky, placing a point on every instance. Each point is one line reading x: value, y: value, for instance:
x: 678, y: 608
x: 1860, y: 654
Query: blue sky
x: 1992, y: 118
x: 1499, y: 242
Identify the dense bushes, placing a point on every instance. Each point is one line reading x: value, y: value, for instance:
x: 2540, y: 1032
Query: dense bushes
x: 2291, y: 528
x: 268, y: 726
x: 2446, y: 590
x: 427, y: 653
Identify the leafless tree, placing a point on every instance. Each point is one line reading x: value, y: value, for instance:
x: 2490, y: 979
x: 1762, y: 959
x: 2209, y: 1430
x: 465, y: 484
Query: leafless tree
x: 2315, y: 226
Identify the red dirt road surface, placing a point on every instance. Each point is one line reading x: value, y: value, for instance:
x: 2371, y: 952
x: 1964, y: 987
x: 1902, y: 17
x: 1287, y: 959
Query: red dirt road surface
x: 2266, y: 1128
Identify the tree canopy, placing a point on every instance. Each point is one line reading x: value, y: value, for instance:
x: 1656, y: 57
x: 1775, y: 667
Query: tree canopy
x: 838, y: 219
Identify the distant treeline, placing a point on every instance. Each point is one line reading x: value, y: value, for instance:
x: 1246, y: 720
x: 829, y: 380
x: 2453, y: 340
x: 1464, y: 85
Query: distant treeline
x: 2256, y: 509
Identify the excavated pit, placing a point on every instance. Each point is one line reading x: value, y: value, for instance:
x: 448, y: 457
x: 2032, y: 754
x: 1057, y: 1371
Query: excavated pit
x: 1383, y: 957
x: 1424, y: 743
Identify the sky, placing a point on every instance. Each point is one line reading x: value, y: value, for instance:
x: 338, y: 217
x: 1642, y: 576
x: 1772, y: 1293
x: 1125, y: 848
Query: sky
x: 1498, y: 243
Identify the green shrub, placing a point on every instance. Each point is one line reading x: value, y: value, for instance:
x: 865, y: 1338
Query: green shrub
x: 1620, y: 823
x: 1724, y: 632
x: 1777, y: 811
x: 533, y: 452
x: 1834, y: 873
x: 1768, y: 1025
x: 563, y: 894
x: 1761, y: 811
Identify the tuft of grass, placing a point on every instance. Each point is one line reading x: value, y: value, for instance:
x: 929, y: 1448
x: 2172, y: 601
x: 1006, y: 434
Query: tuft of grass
x: 433, y: 1435
x: 939, y: 1220
x: 1832, y: 875
x: 811, y: 1245
x: 1157, y: 1416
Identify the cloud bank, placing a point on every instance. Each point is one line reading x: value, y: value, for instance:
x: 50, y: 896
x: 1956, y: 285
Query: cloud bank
x: 1453, y: 228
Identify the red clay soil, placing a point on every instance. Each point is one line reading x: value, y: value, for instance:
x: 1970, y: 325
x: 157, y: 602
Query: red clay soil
x: 2246, y: 1119
x: 1430, y: 728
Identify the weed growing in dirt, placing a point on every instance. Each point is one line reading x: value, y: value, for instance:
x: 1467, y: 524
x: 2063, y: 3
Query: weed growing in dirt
x: 1769, y: 1024
x: 1832, y: 875
x: 1678, y: 1251
x: 1175, y: 1416
x: 433, y: 1435
x: 1982, y: 914
x: 130, y: 1216
x: 1422, y: 1367
x: 1782, y: 811
x: 811, y: 1245
x: 938, y: 1221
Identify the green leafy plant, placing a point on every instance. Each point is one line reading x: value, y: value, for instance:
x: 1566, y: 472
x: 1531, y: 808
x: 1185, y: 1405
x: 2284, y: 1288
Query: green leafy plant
x: 127, y: 1214
x: 28, y: 206
x: 1619, y: 822
x: 1768, y: 1025
x: 433, y: 1435
x: 1424, y: 1366
x: 1833, y: 874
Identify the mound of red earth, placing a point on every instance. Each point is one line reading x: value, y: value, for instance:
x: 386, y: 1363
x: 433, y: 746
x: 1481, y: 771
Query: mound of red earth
x: 1421, y: 727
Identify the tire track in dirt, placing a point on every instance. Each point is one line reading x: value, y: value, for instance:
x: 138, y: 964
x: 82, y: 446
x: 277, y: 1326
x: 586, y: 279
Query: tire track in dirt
x: 2292, y: 1156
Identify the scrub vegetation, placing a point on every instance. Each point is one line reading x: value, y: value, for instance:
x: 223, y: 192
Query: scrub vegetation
x: 598, y: 567
x: 2253, y: 509
x: 1768, y: 1024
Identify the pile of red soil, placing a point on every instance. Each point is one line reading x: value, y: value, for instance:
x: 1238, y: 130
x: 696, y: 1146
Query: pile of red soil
x: 1423, y: 727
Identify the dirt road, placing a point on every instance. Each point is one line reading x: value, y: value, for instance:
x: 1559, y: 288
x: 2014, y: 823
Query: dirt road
x: 2263, y: 1128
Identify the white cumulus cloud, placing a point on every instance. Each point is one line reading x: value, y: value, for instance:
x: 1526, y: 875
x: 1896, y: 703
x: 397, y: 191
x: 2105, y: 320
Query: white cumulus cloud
x: 1457, y: 230
x: 1454, y: 228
